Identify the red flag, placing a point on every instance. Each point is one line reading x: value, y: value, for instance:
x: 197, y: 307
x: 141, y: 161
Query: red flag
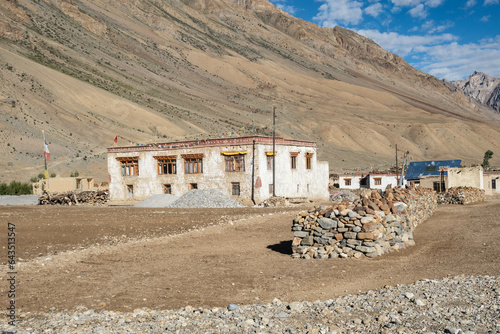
x: 46, y: 152
x: 116, y: 139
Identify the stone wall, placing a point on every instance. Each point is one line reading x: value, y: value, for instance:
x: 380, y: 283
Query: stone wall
x: 375, y: 224
x: 461, y: 195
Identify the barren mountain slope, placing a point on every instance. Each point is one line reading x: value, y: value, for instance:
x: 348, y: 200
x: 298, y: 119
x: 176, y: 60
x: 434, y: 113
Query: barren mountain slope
x: 161, y: 70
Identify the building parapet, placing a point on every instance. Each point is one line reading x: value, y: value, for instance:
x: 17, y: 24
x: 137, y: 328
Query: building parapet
x: 212, y: 142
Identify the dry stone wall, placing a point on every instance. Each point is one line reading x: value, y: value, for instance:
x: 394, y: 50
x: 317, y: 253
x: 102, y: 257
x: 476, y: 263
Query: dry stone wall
x: 461, y: 195
x: 375, y: 224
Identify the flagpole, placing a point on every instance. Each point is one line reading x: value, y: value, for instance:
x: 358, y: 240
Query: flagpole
x: 45, y: 160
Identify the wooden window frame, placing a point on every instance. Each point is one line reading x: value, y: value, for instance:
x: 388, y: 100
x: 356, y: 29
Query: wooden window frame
x: 193, y: 163
x: 270, y: 161
x: 235, y: 188
x: 293, y: 161
x: 167, y: 188
x: 347, y: 182
x: 235, y: 163
x: 166, y: 163
x: 309, y: 160
x: 129, y: 166
x: 377, y: 181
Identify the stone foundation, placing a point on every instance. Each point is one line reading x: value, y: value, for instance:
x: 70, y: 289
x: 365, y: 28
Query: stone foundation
x: 375, y: 224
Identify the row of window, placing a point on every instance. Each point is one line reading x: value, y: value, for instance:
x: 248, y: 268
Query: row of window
x: 193, y: 164
x: 376, y: 180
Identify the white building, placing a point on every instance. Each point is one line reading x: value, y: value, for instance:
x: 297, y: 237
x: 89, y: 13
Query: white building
x: 372, y: 181
x: 227, y: 164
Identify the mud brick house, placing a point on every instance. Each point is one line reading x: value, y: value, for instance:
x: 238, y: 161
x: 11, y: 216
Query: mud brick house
x: 492, y: 183
x: 430, y: 174
x: 239, y: 167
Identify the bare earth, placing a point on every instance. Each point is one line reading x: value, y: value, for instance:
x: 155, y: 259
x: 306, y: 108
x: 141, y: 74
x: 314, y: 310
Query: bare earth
x: 126, y: 258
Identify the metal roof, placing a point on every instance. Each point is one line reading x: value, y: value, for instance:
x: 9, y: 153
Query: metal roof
x: 418, y: 169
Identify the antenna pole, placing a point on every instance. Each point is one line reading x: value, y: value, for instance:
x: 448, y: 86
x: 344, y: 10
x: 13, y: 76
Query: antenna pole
x: 274, y: 152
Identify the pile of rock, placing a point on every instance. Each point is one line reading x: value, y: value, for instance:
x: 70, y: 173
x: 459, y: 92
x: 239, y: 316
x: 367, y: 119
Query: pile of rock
x: 273, y: 202
x: 461, y: 195
x: 205, y: 198
x: 74, y: 198
x: 371, y: 226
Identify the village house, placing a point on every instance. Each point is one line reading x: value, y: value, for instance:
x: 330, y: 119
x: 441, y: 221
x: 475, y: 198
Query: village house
x: 60, y: 184
x: 430, y: 174
x: 241, y: 168
x: 372, y: 181
x: 492, y: 183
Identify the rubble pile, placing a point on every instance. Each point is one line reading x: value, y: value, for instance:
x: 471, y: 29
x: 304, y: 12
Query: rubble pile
x: 275, y: 201
x: 461, y: 195
x: 375, y: 224
x: 74, y: 198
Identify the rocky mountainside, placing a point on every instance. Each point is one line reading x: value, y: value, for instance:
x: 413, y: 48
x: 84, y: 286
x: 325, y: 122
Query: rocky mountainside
x: 85, y: 71
x: 482, y: 87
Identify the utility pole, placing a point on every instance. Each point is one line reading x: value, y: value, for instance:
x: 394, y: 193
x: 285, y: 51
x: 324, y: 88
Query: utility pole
x: 274, y: 152
x: 253, y: 171
x: 397, y: 167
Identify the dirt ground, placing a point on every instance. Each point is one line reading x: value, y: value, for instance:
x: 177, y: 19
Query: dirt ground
x: 127, y: 258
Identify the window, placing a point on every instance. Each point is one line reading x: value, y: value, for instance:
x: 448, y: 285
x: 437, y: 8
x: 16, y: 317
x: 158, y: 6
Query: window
x: 271, y: 188
x: 130, y: 190
x: 298, y: 187
x: 193, y: 186
x: 167, y: 189
x: 167, y: 165
x: 347, y: 182
x: 377, y: 181
x: 493, y: 184
x: 130, y: 166
x: 293, y: 159
x: 307, y: 188
x: 235, y: 188
x: 309, y: 160
x: 270, y: 162
x: 193, y: 163
x: 235, y: 163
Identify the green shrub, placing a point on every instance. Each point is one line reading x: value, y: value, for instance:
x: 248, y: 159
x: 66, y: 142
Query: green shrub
x: 15, y: 188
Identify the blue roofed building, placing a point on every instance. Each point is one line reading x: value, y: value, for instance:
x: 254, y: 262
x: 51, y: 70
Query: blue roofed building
x: 420, y: 171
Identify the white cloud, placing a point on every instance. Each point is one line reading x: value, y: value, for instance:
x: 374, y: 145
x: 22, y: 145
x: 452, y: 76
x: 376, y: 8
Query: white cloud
x: 406, y: 3
x: 470, y: 3
x: 485, y: 18
x: 454, y: 61
x: 442, y: 55
x: 418, y: 11
x: 403, y: 45
x: 281, y: 4
x: 491, y: 2
x: 333, y: 12
x: 434, y: 3
x: 374, y: 10
x: 431, y: 28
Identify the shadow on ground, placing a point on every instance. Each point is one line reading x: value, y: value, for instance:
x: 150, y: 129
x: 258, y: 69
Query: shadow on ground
x: 284, y: 247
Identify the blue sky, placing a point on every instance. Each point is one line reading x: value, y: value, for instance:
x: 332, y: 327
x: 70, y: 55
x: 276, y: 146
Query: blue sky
x: 446, y: 38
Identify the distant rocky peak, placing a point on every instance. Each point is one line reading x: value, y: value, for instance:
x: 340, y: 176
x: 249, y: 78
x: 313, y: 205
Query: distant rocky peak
x: 480, y: 86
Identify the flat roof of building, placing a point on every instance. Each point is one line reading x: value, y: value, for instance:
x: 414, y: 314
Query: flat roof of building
x: 212, y: 142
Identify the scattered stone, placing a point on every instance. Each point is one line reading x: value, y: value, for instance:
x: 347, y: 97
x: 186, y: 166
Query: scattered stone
x: 386, y: 310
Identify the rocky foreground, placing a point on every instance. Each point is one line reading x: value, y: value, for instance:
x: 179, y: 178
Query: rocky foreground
x: 447, y: 305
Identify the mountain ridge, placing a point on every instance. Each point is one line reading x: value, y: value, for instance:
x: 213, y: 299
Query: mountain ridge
x: 481, y: 87
x: 150, y: 71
